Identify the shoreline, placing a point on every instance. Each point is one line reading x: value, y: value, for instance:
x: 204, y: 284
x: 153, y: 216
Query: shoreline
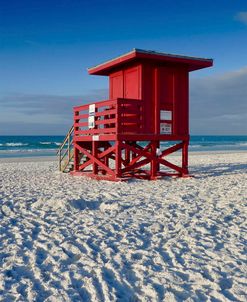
x: 55, y: 158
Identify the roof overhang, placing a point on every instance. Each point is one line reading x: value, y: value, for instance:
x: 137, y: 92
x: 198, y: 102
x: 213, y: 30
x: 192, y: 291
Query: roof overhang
x: 193, y: 63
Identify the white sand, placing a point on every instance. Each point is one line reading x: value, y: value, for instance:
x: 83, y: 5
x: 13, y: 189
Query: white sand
x: 65, y: 238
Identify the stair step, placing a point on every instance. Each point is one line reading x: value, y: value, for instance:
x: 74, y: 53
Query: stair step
x: 66, y: 164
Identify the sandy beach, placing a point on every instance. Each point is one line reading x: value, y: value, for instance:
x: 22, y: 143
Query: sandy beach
x: 67, y: 238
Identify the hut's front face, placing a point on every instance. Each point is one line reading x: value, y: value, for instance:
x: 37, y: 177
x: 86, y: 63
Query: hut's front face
x: 164, y: 91
x: 161, y: 81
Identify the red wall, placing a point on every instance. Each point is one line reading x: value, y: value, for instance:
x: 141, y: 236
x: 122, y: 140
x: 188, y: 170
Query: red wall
x: 172, y: 95
x: 161, y: 87
x: 126, y: 83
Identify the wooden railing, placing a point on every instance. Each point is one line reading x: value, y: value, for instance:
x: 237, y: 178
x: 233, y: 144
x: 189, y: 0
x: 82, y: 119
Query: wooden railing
x: 109, y: 117
x: 65, y: 151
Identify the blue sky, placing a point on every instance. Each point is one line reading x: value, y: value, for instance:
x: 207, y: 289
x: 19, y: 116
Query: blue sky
x: 46, y: 46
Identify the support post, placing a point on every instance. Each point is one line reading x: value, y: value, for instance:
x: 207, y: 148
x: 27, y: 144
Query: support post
x: 76, y: 159
x: 154, y: 164
x: 68, y: 147
x: 95, y: 155
x: 118, y: 159
x: 157, y: 155
x: 127, y: 155
x: 106, y: 159
x: 76, y: 151
x: 185, y: 158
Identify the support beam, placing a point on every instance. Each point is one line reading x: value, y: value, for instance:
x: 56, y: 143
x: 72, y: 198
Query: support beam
x: 97, y: 161
x: 131, y: 160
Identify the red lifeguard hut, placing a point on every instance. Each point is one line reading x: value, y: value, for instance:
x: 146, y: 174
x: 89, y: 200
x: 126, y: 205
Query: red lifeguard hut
x: 148, y: 107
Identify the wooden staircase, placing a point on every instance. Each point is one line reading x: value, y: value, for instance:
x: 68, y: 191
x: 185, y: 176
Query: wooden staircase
x: 66, y: 153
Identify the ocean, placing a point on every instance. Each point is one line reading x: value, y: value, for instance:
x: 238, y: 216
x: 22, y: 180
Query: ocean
x: 26, y: 146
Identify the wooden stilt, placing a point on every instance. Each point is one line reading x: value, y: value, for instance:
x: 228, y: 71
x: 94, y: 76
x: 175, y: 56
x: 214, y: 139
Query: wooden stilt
x: 185, y: 158
x: 118, y: 159
x: 153, y: 174
x: 95, y: 155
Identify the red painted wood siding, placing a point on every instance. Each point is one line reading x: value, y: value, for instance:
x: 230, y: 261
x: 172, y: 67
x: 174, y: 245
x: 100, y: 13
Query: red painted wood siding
x: 132, y: 83
x: 116, y: 85
x: 126, y: 83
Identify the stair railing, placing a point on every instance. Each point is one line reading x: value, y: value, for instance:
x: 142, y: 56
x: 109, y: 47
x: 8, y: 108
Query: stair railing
x: 65, y: 151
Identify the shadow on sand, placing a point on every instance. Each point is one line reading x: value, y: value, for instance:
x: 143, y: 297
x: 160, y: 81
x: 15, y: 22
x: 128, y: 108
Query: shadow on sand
x: 218, y: 170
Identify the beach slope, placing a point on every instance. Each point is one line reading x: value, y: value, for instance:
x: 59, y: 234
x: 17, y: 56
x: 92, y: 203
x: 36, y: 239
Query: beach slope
x: 66, y: 238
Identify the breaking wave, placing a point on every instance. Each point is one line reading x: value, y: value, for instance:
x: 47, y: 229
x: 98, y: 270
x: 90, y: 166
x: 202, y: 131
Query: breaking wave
x: 15, y: 144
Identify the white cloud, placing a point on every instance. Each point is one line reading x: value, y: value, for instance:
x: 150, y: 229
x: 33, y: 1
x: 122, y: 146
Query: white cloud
x: 219, y: 104
x: 242, y: 17
x: 41, y: 114
x: 56, y: 105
